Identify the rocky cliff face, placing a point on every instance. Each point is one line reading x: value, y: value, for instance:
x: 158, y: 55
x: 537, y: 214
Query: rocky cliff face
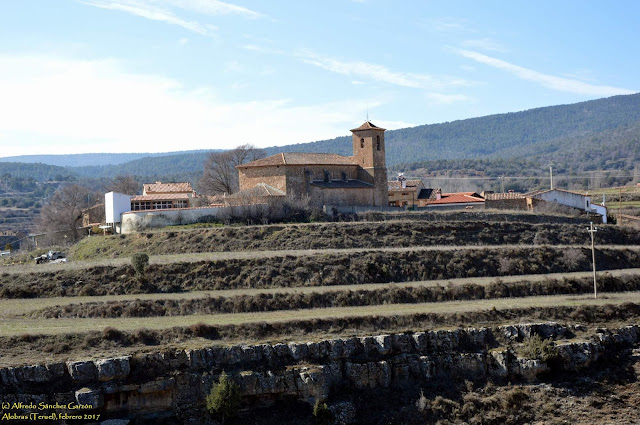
x: 174, y: 383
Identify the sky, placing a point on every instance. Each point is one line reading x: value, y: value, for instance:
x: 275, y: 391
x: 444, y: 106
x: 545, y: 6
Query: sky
x: 79, y: 76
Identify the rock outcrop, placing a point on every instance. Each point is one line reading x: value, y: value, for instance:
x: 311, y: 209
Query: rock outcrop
x: 176, y: 382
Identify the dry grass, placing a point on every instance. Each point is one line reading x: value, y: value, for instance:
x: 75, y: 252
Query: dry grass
x: 14, y: 308
x: 241, y: 255
x: 18, y: 326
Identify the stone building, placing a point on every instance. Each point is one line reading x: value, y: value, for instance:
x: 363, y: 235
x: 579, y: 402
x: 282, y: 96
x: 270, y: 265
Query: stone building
x: 404, y: 192
x: 324, y: 178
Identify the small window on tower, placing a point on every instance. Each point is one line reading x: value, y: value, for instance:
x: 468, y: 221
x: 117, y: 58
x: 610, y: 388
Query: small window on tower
x: 377, y: 142
x: 361, y: 143
x: 344, y: 176
x: 327, y: 176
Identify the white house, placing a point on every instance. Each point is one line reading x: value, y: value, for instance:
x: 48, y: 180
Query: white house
x: 571, y: 199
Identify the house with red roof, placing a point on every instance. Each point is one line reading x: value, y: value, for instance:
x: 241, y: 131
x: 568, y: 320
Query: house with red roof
x: 437, y: 199
x: 161, y: 196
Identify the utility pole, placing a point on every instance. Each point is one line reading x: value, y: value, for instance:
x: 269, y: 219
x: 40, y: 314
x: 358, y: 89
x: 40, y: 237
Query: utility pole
x: 591, y: 231
x: 502, y: 180
x: 620, y: 206
x: 551, y: 175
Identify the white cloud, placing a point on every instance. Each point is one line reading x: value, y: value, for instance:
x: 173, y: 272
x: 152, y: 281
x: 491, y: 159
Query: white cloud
x: 447, y: 99
x: 484, y: 44
x: 150, y: 12
x: 164, y: 11
x: 379, y: 72
x: 183, y: 41
x: 357, y: 83
x: 546, y: 80
x: 213, y: 7
x: 449, y: 24
x: 52, y: 105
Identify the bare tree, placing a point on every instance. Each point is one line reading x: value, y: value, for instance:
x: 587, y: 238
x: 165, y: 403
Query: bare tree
x: 62, y: 215
x: 220, y: 174
x: 125, y: 184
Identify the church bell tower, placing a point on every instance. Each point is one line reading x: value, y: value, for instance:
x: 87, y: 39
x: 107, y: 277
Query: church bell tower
x: 369, y: 154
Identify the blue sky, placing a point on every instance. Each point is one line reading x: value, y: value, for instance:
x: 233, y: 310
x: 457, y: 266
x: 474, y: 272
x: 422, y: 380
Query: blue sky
x: 164, y: 75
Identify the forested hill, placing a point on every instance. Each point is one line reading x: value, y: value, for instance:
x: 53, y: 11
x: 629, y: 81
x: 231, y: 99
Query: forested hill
x: 504, y: 135
x: 553, y: 130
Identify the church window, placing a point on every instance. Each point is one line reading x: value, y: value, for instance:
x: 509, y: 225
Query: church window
x: 377, y: 142
x: 361, y: 143
x: 344, y: 176
x: 327, y: 175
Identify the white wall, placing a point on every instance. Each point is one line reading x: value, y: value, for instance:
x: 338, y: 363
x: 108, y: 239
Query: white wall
x: 114, y: 205
x: 567, y: 198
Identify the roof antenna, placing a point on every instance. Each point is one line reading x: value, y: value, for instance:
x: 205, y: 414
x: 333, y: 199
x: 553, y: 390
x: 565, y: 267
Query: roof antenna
x: 367, y: 112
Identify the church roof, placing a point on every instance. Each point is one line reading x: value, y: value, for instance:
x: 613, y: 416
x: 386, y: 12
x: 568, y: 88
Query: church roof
x: 368, y: 125
x: 297, y: 158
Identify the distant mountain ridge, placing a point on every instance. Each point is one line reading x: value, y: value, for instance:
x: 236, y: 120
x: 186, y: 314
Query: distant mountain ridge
x: 554, y: 130
x: 91, y: 159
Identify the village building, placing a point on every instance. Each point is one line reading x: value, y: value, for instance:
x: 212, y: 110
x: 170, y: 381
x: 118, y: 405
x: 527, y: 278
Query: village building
x: 533, y: 201
x: 404, y: 192
x: 324, y: 179
x: 162, y: 196
x: 433, y: 199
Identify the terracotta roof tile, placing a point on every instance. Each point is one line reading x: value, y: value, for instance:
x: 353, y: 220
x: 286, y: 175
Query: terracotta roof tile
x: 368, y: 125
x: 159, y: 187
x: 297, y: 158
x: 456, y: 198
x: 160, y: 197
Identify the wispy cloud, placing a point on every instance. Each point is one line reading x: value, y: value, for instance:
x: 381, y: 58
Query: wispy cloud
x: 546, y: 80
x: 447, y: 99
x: 165, y: 11
x: 448, y: 24
x: 214, y: 7
x: 379, y: 73
x: 78, y: 107
x: 484, y: 44
x: 150, y: 12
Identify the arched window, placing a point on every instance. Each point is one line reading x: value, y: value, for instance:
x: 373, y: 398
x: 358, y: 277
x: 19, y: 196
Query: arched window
x: 377, y: 142
x: 361, y: 143
x: 327, y: 176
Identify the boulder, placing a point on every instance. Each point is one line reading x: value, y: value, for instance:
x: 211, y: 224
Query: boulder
x: 83, y: 371
x: 86, y: 396
x: 113, y: 369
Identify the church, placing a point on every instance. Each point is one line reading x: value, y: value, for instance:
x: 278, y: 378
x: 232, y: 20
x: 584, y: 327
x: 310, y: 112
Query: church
x: 323, y: 178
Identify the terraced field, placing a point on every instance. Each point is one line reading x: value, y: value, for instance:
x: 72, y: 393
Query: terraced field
x: 240, y: 284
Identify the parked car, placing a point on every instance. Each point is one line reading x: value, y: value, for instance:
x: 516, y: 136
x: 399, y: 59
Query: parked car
x: 50, y: 256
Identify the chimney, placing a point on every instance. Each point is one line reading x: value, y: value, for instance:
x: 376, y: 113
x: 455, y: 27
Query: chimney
x: 404, y: 184
x: 438, y: 194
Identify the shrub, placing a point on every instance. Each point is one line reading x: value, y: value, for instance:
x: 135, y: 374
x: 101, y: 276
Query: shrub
x: 224, y: 399
x: 321, y: 413
x: 139, y: 262
x: 537, y: 348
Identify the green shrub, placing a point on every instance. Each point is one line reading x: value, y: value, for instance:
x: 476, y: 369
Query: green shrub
x: 321, y: 413
x: 139, y: 262
x: 224, y: 399
x: 536, y: 348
